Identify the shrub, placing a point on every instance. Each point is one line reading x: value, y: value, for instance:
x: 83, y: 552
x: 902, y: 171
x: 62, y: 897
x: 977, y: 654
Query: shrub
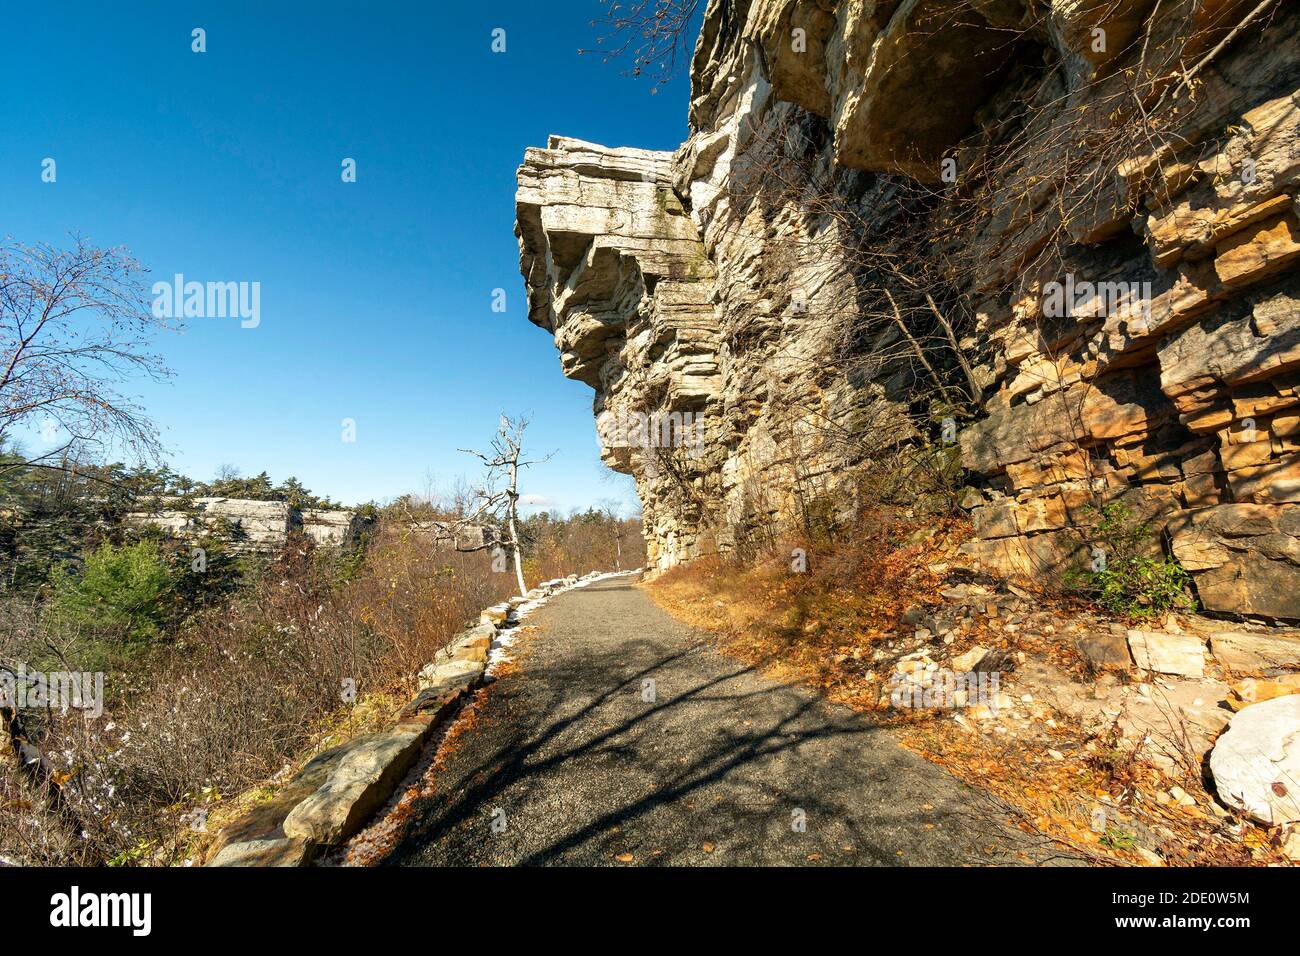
x: 415, y: 597
x: 124, y: 592
x: 1125, y: 578
x: 308, y: 643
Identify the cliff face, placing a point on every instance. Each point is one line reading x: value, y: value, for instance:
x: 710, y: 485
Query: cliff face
x: 256, y: 526
x: 1059, y: 237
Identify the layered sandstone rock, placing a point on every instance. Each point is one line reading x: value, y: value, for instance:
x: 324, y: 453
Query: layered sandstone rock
x: 617, y: 271
x: 329, y: 527
x: 250, y: 525
x: 1166, y: 209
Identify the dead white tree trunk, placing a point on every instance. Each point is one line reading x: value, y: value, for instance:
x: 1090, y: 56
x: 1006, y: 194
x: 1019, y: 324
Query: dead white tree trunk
x: 504, y: 460
x: 513, y: 522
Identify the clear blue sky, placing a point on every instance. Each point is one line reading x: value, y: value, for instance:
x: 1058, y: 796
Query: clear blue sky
x: 375, y: 295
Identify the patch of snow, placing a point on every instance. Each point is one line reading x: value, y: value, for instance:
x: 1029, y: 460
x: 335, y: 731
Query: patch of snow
x: 507, y: 635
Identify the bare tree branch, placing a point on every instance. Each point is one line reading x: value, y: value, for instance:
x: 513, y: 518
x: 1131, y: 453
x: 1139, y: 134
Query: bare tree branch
x: 75, y: 325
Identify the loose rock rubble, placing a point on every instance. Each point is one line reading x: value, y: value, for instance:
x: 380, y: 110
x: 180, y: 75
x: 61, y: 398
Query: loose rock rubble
x: 1071, y: 683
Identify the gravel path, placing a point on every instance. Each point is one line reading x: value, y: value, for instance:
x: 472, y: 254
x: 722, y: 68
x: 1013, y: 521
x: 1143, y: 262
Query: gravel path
x: 576, y: 760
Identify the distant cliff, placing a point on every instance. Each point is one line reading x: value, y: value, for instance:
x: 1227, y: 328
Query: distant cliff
x: 251, y: 524
x: 1059, y: 239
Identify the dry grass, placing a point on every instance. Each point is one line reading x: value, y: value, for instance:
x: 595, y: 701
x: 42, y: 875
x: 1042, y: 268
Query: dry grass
x: 819, y: 627
x: 832, y: 628
x: 313, y: 650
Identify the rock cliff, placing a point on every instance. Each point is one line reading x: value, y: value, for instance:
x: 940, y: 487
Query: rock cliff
x: 1054, y: 240
x: 251, y: 525
x: 256, y: 526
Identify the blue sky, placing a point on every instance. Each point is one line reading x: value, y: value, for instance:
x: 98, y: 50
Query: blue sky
x: 375, y: 295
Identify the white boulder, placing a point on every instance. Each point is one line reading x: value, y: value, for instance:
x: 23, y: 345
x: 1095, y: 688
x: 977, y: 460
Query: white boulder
x: 1256, y: 763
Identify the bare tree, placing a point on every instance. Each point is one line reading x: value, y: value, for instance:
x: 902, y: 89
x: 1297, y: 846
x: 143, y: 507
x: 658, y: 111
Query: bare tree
x: 613, y: 511
x: 74, y: 326
x: 502, y: 463
x: 653, y: 34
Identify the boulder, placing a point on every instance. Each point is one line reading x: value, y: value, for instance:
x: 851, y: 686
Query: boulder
x: 1248, y: 583
x: 363, y: 780
x: 496, y: 614
x: 1104, y: 650
x: 273, y: 852
x: 470, y: 645
x: 1244, y: 556
x: 1256, y: 762
x: 1164, y: 653
x: 450, y: 675
x: 263, y: 820
x: 1244, y: 651
x: 475, y: 650
x: 435, y: 704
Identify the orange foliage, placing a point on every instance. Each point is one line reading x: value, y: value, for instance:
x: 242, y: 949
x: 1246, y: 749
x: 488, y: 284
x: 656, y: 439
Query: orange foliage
x: 818, y: 627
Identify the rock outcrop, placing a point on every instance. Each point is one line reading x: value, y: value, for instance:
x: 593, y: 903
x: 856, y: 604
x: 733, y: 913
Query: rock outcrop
x: 250, y: 525
x: 454, y: 536
x: 1100, y: 199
